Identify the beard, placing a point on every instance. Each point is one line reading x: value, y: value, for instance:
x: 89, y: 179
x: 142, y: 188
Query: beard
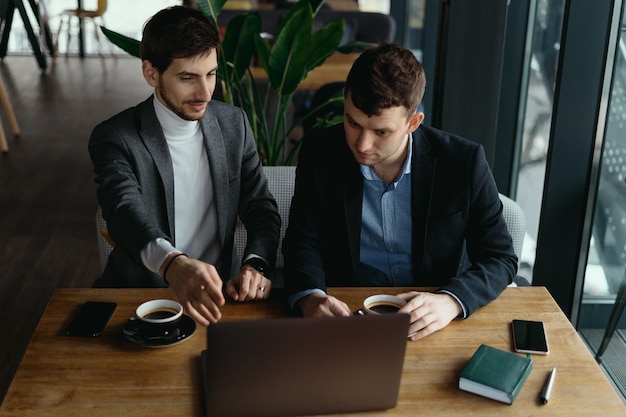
x: 179, y: 110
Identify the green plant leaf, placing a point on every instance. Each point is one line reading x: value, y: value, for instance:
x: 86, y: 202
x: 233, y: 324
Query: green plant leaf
x: 211, y: 8
x: 324, y: 43
x: 129, y: 45
x: 238, y: 46
x: 263, y: 51
x: 313, y: 6
x: 290, y: 53
x: 295, y: 51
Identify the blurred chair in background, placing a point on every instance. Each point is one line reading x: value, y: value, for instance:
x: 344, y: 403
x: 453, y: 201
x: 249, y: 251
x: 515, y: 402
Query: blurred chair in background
x: 8, y: 109
x: 71, y: 18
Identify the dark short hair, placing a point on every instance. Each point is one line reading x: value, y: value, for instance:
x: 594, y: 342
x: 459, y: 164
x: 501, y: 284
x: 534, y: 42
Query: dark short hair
x: 177, y: 32
x: 387, y: 75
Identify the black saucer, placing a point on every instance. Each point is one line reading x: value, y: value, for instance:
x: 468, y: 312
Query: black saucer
x: 150, y: 335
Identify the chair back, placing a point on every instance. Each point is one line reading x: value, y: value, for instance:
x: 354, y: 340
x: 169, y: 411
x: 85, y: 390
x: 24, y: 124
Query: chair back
x: 102, y: 7
x: 515, y: 222
x: 104, y: 247
x: 281, y: 181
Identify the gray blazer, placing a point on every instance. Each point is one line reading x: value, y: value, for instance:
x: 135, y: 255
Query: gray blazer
x: 135, y: 180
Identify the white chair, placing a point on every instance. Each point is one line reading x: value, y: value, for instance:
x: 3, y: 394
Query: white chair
x: 281, y: 181
x: 104, y: 245
x: 516, y: 223
x: 96, y: 17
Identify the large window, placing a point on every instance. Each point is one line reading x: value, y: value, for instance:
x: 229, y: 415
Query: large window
x: 546, y: 39
x: 600, y: 322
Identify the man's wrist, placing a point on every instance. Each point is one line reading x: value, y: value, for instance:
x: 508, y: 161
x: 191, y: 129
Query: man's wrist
x: 257, y: 263
x: 168, y: 263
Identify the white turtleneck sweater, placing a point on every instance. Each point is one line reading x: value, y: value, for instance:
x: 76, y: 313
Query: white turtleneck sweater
x: 195, y: 217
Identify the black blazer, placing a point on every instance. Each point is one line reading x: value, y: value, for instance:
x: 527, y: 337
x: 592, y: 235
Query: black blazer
x: 460, y: 239
x: 136, y: 189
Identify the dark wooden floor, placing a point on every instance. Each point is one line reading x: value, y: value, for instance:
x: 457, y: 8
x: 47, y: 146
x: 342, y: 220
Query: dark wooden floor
x: 47, y: 192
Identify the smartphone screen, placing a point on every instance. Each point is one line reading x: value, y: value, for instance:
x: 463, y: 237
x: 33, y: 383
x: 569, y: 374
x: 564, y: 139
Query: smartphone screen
x: 529, y: 337
x: 90, y: 319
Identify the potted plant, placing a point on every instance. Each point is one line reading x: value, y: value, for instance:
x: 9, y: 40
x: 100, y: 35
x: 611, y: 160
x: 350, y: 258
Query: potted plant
x: 286, y: 59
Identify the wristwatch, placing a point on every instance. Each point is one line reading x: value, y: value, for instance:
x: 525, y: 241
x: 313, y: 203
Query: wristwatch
x: 258, y: 264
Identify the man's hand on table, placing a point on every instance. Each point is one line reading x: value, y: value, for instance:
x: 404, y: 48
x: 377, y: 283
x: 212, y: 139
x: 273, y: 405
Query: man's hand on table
x: 429, y: 312
x: 197, y: 286
x: 249, y: 284
x: 319, y: 304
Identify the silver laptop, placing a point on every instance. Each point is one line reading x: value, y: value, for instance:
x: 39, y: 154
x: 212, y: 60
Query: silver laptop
x: 303, y: 366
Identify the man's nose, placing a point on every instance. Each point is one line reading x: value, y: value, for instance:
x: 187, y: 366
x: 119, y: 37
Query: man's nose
x: 205, y: 89
x: 364, y: 141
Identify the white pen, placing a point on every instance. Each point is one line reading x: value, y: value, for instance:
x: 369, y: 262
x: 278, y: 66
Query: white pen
x: 547, y: 388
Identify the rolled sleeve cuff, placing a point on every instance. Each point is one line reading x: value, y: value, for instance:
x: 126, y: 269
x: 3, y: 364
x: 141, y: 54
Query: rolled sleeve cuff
x: 154, y: 254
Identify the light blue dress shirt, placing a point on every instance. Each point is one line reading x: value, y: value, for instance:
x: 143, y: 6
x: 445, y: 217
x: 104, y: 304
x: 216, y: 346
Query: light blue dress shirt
x: 386, y: 228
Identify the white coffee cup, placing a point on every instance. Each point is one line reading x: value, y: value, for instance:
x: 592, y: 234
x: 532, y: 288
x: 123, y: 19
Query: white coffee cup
x: 383, y: 304
x: 159, y: 311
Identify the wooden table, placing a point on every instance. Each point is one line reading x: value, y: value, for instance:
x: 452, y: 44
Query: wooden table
x: 335, y: 68
x: 109, y: 375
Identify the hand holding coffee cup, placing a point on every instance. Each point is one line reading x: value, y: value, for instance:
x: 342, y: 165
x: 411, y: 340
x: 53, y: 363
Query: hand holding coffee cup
x: 382, y: 304
x: 159, y: 311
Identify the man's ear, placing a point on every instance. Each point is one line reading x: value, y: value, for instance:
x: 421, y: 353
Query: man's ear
x: 415, y: 121
x: 150, y: 74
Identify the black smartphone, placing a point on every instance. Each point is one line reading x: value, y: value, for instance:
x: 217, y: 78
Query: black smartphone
x: 90, y: 319
x: 529, y: 337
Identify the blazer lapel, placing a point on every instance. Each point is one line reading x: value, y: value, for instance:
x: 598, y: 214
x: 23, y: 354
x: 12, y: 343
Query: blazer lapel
x: 153, y: 139
x: 352, y: 202
x: 422, y: 175
x: 214, y: 146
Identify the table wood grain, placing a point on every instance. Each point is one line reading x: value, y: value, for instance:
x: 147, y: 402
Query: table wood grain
x: 109, y: 375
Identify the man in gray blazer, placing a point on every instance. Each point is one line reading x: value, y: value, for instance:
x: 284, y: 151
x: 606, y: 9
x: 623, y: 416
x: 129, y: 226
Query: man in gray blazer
x: 382, y: 201
x: 174, y: 173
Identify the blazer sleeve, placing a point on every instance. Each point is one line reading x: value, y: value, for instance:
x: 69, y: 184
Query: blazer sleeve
x: 127, y: 180
x: 488, y: 263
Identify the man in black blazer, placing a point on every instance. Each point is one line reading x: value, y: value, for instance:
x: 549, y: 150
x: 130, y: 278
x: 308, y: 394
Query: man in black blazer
x: 382, y: 200
x: 174, y: 173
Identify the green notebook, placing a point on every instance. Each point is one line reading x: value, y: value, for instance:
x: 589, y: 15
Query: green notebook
x: 495, y: 374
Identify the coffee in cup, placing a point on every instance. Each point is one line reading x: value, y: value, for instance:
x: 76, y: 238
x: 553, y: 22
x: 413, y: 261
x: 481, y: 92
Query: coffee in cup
x: 159, y: 311
x: 383, y: 304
